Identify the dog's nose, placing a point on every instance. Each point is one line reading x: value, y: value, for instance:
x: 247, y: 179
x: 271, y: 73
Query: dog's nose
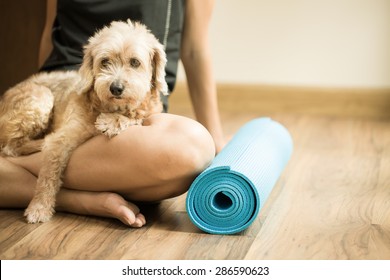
x: 116, y: 88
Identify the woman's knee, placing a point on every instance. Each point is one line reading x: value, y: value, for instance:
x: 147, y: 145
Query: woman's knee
x: 188, y: 149
x: 198, y: 149
x: 182, y: 149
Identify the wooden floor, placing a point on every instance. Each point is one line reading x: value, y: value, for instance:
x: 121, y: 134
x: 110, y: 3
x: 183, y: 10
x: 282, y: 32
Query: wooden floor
x: 332, y: 202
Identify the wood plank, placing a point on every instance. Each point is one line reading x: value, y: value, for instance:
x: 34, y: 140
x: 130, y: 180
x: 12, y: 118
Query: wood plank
x: 335, y: 202
x: 13, y: 228
x: 266, y: 99
x: 69, y: 236
x: 173, y: 236
x: 331, y: 202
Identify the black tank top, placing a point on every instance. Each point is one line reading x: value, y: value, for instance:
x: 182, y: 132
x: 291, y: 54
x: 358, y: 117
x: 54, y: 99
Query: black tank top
x: 77, y: 20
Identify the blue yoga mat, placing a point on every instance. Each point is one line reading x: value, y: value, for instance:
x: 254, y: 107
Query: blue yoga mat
x: 227, y: 196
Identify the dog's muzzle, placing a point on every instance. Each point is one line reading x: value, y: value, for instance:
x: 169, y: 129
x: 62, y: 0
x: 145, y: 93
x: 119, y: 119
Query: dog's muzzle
x: 117, y: 88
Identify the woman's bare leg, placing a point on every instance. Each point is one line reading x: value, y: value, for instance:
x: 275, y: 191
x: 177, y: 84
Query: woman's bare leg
x: 17, y: 189
x: 144, y: 163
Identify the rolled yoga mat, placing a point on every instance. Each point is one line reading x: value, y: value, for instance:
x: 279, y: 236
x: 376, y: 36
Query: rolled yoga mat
x: 227, y: 196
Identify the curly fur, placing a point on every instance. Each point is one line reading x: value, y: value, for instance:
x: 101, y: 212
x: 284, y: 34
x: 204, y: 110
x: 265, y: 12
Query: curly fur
x: 118, y: 85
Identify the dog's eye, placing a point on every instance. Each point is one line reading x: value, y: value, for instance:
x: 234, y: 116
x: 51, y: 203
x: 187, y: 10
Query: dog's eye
x: 135, y: 63
x: 105, y: 62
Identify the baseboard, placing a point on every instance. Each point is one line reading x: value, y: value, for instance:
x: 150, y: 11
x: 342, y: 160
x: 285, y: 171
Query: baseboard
x: 359, y: 102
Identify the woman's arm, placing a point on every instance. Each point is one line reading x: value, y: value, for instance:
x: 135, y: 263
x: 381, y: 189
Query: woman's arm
x: 196, y: 58
x: 46, y: 44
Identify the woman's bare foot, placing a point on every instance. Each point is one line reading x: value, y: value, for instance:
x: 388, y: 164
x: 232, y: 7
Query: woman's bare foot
x: 102, y: 204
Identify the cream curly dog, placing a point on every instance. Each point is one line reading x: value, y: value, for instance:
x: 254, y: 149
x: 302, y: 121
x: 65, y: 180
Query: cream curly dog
x: 118, y: 85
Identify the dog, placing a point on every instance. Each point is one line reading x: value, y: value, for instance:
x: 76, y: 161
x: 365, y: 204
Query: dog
x: 117, y: 85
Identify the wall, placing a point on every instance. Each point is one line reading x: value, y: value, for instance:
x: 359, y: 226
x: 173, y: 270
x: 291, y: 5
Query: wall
x: 326, y: 43
x: 21, y: 24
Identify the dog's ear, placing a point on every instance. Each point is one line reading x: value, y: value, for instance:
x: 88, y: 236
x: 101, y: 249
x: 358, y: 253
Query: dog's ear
x: 159, y: 60
x: 85, y: 71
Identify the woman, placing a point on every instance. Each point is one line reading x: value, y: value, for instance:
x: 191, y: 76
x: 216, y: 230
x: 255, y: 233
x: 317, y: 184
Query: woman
x: 144, y: 163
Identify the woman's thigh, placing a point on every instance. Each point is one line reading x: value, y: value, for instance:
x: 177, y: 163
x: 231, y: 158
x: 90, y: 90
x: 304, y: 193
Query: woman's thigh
x: 167, y: 149
x: 160, y: 158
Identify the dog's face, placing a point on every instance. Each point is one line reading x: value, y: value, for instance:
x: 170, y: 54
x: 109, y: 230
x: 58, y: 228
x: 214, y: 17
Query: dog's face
x: 124, y: 66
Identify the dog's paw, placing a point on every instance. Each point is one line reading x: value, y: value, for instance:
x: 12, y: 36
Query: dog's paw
x: 109, y: 124
x: 8, y: 151
x: 113, y: 124
x: 102, y: 123
x: 38, y: 213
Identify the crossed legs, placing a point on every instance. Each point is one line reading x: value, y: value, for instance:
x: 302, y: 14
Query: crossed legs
x: 152, y: 162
